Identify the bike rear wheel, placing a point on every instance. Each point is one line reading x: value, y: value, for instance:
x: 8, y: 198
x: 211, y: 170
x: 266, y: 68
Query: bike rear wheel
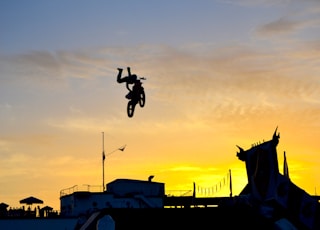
x: 130, y: 108
x: 142, y: 99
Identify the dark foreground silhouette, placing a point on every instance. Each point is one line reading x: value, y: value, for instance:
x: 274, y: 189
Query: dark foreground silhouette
x: 270, y: 201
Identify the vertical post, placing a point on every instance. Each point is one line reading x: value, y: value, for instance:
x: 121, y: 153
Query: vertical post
x: 230, y: 181
x: 103, y: 158
x: 194, y: 190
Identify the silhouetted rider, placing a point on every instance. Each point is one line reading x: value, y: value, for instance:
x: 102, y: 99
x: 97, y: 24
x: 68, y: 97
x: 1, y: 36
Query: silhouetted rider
x: 130, y: 79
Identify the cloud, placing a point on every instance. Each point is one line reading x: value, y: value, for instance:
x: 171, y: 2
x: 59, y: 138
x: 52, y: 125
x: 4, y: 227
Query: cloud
x: 279, y: 27
x: 192, y: 81
x: 298, y: 18
x: 170, y: 68
x: 75, y: 124
x: 257, y: 2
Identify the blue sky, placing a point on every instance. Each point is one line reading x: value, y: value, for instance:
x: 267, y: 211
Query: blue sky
x: 45, y: 25
x: 219, y: 74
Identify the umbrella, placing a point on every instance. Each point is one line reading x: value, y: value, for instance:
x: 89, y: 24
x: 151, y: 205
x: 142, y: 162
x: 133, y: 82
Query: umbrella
x: 3, y: 205
x: 47, y: 208
x: 31, y: 200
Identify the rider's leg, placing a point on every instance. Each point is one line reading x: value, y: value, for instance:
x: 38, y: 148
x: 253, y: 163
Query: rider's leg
x: 119, y: 80
x: 129, y: 95
x: 129, y: 71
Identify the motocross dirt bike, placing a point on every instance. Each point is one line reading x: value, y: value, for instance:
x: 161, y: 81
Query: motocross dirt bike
x: 136, y: 95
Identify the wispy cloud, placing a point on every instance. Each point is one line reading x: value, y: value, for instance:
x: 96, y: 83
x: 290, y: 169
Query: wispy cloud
x: 257, y: 2
x: 279, y: 27
x: 297, y: 18
x: 226, y: 81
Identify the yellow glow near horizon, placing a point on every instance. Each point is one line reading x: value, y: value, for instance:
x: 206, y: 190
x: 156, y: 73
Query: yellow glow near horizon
x: 205, y: 168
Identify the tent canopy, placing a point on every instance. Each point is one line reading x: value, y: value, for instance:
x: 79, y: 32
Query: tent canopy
x: 31, y: 200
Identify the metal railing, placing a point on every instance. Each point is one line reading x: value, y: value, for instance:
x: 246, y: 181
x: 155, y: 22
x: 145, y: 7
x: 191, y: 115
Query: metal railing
x: 179, y: 192
x: 98, y: 188
x: 81, y: 188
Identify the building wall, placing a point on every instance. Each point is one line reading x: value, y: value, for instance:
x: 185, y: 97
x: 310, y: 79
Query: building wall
x: 125, y: 187
x: 121, y: 193
x: 75, y: 205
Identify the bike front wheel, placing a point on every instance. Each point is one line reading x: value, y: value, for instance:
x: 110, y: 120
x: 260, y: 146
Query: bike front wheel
x: 130, y: 108
x: 142, y: 99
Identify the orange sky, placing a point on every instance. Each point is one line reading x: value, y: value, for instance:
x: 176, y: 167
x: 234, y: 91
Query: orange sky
x: 213, y: 82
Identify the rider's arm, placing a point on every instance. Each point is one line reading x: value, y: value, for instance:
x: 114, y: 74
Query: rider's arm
x: 127, y: 85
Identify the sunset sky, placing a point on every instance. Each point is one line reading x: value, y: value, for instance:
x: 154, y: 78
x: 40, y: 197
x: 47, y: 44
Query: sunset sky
x: 220, y: 73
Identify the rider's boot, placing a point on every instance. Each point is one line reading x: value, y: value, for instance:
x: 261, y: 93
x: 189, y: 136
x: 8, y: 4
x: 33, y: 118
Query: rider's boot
x: 119, y: 75
x: 129, y: 95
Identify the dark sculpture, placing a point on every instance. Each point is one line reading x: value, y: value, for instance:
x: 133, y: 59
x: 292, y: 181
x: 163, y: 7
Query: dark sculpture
x: 274, y: 195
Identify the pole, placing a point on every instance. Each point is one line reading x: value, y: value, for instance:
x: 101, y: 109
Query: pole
x: 230, y: 181
x: 103, y: 158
